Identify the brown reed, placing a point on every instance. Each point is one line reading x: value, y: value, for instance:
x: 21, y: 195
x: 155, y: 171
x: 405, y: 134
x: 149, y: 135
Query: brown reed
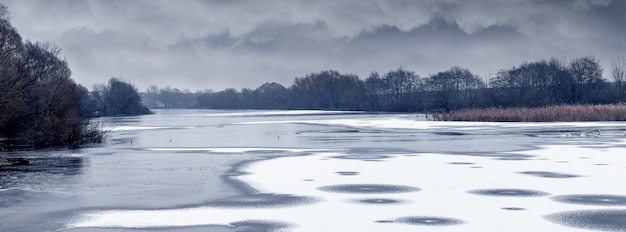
x: 561, y: 113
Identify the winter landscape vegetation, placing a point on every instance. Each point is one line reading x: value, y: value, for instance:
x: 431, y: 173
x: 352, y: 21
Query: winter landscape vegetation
x: 536, y: 146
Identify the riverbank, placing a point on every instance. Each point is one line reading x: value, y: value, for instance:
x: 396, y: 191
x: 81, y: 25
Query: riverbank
x: 563, y: 113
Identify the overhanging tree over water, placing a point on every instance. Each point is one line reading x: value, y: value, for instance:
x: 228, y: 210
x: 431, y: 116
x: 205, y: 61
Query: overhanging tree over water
x: 40, y: 105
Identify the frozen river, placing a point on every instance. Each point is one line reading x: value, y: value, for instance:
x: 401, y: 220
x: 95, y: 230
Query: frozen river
x: 207, y: 170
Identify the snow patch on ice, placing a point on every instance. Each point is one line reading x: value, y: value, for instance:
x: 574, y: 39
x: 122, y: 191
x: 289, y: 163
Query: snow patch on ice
x: 133, y: 128
x: 397, y: 122
x: 443, y: 196
x: 281, y: 112
x: 232, y: 149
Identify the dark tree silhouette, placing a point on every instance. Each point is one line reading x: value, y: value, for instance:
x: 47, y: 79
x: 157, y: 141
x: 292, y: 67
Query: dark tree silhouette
x: 168, y: 97
x: 328, y: 90
x: 531, y: 84
x: 587, y: 77
x: 118, y: 98
x: 618, y: 73
x: 453, y: 89
x: 40, y: 105
x: 534, y: 84
x: 271, y: 96
x: 400, y: 89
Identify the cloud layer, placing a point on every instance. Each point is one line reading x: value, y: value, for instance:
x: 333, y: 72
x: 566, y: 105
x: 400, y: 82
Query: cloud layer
x: 217, y: 44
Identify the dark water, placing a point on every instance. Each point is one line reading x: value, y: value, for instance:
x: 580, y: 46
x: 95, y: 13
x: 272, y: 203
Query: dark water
x: 174, y: 159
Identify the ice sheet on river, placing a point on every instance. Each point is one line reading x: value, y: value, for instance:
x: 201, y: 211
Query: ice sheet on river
x: 559, y: 188
x: 256, y: 113
x: 406, y: 122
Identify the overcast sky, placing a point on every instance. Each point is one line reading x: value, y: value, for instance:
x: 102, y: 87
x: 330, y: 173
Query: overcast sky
x: 216, y: 44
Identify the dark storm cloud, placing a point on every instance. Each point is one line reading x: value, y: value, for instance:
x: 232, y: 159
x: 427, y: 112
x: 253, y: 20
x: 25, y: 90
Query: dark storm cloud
x: 237, y: 43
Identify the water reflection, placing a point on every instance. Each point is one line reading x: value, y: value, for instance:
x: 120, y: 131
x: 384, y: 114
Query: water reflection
x: 22, y: 170
x: 33, y: 185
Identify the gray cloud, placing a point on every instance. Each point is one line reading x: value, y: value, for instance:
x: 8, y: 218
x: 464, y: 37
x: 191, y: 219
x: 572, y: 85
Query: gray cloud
x: 240, y: 43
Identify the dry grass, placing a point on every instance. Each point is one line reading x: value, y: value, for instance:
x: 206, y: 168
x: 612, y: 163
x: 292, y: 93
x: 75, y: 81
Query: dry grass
x: 564, y: 113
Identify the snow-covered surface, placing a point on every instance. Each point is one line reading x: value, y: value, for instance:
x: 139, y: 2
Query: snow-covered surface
x: 279, y: 113
x: 444, y: 181
x: 132, y: 128
x: 406, y: 122
x: 229, y: 149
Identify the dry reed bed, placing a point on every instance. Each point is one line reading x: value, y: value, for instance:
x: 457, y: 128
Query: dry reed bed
x: 564, y: 113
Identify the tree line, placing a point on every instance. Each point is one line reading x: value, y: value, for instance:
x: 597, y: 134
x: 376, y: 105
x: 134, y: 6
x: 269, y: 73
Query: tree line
x: 530, y: 84
x: 41, y: 105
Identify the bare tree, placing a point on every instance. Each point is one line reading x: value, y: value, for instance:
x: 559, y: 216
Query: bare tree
x: 374, y: 90
x: 40, y: 105
x: 327, y: 90
x: 12, y: 85
x: 618, y: 73
x: 453, y: 88
x: 587, y: 75
x: 271, y: 96
x: 120, y: 98
x: 401, y: 85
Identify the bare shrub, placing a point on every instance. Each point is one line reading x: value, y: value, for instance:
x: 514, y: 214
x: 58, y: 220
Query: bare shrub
x: 93, y: 133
